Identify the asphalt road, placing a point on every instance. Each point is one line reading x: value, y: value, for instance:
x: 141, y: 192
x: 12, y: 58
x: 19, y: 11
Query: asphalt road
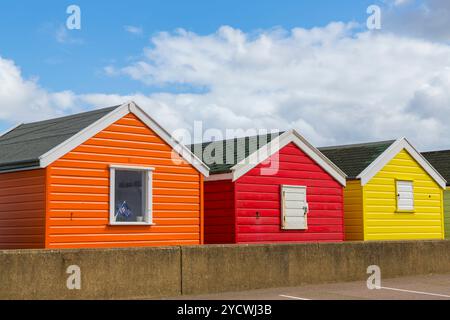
x: 434, y: 287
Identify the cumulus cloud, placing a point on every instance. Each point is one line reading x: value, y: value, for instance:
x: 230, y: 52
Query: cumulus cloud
x: 24, y: 100
x: 333, y: 84
x: 330, y: 83
x: 427, y: 19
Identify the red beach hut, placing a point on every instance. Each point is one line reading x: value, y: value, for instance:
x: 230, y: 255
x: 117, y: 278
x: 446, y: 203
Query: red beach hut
x: 270, y: 189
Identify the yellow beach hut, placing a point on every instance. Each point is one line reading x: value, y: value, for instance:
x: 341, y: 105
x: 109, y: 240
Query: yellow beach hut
x: 392, y: 193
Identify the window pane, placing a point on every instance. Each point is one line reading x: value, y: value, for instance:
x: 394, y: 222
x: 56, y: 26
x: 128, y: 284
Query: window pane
x: 129, y: 196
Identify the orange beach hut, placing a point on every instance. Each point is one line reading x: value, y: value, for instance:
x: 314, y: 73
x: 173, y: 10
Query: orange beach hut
x: 106, y: 178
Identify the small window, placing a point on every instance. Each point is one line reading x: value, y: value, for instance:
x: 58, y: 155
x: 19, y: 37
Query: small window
x: 405, y: 196
x: 131, y: 195
x: 294, y: 208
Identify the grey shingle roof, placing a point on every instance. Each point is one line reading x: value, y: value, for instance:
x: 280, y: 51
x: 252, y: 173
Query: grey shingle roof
x: 22, y: 147
x: 237, y: 150
x: 440, y: 160
x: 353, y: 159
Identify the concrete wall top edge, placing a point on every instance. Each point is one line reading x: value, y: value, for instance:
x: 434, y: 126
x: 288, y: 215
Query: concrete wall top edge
x: 211, y: 246
x: 313, y: 244
x: 93, y: 250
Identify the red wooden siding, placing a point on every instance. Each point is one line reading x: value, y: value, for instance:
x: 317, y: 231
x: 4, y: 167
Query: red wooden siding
x: 78, y: 195
x: 22, y: 209
x: 259, y: 193
x: 219, y: 212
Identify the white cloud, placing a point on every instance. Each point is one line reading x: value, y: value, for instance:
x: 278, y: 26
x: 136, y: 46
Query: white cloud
x: 329, y: 83
x: 400, y: 2
x: 427, y: 19
x: 134, y: 30
x: 24, y: 100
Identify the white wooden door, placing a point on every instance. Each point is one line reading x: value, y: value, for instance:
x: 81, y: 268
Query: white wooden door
x: 405, y: 196
x: 294, y: 208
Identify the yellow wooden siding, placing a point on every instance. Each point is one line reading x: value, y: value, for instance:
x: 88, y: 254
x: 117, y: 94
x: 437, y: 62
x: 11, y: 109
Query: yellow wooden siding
x: 447, y: 213
x: 381, y: 219
x: 353, y: 211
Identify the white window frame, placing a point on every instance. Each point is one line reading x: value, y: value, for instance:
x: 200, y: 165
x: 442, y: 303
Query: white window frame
x: 283, y: 226
x: 398, y: 209
x: 148, y: 191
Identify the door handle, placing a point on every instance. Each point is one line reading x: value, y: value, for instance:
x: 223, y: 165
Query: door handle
x: 306, y: 208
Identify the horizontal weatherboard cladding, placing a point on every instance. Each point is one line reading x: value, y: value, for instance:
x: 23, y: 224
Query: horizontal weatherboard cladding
x: 447, y: 213
x: 353, y: 211
x: 22, y: 209
x: 382, y: 220
x: 78, y: 191
x: 258, y: 201
x: 220, y: 218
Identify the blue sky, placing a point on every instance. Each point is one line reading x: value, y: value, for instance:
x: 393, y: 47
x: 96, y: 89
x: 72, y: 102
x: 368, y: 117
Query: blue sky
x: 28, y: 32
x: 309, y: 65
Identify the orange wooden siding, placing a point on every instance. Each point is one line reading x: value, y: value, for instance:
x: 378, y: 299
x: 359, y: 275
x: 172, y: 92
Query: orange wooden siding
x: 22, y: 209
x: 78, y: 192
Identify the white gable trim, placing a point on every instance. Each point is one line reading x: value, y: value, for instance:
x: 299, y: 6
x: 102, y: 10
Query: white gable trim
x: 280, y: 142
x: 101, y: 124
x: 390, y: 153
x: 63, y: 148
x: 181, y: 149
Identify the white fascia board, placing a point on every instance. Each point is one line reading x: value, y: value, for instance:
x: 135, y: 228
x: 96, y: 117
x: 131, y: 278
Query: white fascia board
x: 181, y: 149
x: 390, y: 153
x: 279, y: 143
x: 84, y: 135
x: 109, y: 119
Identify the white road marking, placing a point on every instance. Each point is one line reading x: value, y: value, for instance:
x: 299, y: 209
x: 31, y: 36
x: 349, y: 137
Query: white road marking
x: 295, y: 298
x: 417, y: 292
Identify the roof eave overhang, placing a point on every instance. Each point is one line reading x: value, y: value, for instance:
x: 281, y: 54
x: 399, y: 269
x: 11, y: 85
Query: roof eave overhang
x: 20, y: 166
x: 219, y: 177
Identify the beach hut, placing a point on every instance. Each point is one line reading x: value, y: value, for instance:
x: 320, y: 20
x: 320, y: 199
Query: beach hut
x: 270, y: 189
x: 393, y: 193
x: 106, y: 178
x: 441, y: 161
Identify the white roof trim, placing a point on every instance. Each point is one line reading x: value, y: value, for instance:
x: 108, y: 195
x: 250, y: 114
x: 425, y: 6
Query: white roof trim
x: 390, y: 153
x: 280, y: 142
x: 68, y: 145
x: 101, y: 124
x: 167, y: 137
